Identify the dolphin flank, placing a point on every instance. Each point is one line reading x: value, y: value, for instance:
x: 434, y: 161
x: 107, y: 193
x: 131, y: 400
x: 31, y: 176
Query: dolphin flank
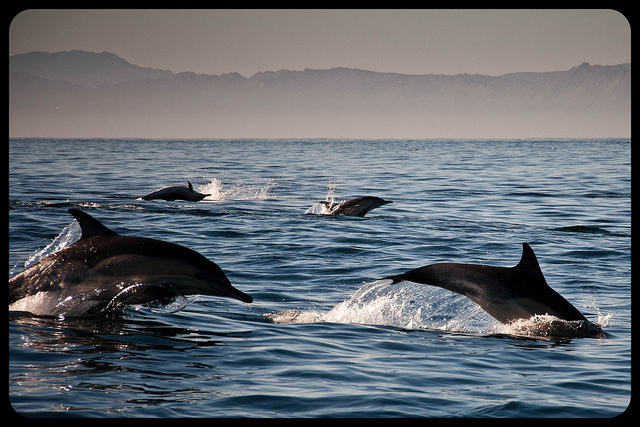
x: 506, y: 293
x: 176, y: 192
x: 104, y: 271
x: 355, y: 207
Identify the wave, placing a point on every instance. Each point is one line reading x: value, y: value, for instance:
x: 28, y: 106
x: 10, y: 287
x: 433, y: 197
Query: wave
x: 68, y: 204
x: 588, y: 230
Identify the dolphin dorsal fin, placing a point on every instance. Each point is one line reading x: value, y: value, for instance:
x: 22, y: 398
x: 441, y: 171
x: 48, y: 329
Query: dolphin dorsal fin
x: 190, y: 186
x: 529, y: 263
x: 89, y: 225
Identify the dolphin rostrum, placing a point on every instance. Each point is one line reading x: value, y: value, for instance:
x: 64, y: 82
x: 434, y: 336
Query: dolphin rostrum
x: 355, y: 207
x: 506, y: 293
x: 104, y: 271
x: 176, y: 192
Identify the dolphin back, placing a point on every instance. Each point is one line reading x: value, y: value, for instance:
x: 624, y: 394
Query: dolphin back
x: 104, y: 270
x: 506, y: 293
x: 176, y: 192
x: 359, y: 206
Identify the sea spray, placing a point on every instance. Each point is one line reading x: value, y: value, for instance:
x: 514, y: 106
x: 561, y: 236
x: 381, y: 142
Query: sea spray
x: 321, y: 208
x: 67, y: 236
x: 405, y: 305
x: 413, y: 306
x: 238, y: 191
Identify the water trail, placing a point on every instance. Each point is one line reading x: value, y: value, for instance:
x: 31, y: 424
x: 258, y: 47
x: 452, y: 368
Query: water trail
x: 413, y: 306
x: 237, y: 191
x: 405, y: 305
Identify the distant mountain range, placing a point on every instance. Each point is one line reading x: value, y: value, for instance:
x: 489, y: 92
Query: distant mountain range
x: 87, y: 94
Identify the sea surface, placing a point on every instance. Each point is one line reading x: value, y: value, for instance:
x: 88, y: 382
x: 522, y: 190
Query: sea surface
x: 324, y: 337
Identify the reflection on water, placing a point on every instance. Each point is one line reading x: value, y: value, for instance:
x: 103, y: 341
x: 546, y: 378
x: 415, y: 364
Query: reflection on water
x: 112, y: 333
x: 118, y: 355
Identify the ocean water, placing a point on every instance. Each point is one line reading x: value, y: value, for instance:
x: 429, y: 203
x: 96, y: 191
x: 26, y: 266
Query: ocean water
x: 324, y: 337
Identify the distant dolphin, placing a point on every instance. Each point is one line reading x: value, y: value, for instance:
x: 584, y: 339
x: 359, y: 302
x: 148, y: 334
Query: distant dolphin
x: 176, y: 192
x: 103, y: 271
x: 506, y: 293
x: 355, y: 207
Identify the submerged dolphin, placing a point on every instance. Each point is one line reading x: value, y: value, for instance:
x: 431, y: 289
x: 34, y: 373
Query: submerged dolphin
x: 176, y: 192
x: 506, y: 293
x: 103, y: 271
x: 355, y: 207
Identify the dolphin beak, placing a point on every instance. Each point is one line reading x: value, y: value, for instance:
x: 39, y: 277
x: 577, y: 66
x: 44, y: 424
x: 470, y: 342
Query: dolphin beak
x: 221, y: 287
x: 239, y: 295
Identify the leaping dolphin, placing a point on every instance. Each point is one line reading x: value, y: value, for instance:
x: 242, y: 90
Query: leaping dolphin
x: 104, y: 271
x: 355, y: 207
x: 506, y: 293
x: 176, y: 192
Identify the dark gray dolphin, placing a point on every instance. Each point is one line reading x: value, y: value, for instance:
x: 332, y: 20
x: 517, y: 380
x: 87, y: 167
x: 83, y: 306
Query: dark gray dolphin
x: 506, y: 293
x: 355, y: 207
x: 176, y: 192
x: 103, y: 271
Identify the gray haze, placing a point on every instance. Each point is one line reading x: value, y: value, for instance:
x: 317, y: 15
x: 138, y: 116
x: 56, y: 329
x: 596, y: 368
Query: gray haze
x: 320, y: 73
x: 85, y: 94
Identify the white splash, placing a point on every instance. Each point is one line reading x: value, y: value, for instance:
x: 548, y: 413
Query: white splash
x: 323, y: 208
x: 405, y: 305
x: 318, y: 209
x: 547, y: 326
x: 67, y: 236
x: 172, y: 305
x: 237, y: 191
x: 413, y: 306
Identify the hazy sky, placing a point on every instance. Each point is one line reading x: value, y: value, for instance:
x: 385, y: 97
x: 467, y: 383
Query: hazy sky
x: 489, y: 42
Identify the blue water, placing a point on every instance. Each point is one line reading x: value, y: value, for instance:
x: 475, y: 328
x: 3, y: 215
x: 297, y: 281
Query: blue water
x: 323, y: 337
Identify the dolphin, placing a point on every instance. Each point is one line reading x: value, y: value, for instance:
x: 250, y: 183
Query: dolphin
x: 506, y: 293
x: 103, y: 272
x: 176, y: 192
x: 355, y: 207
